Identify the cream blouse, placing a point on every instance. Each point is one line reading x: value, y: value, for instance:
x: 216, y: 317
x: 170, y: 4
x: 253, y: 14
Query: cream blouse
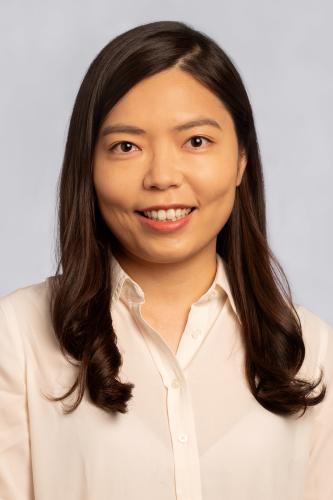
x: 193, y: 430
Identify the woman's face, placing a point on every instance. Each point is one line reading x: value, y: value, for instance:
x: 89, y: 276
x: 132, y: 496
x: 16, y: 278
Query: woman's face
x: 197, y: 165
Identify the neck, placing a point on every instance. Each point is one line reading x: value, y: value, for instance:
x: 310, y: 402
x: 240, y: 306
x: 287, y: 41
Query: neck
x: 183, y: 282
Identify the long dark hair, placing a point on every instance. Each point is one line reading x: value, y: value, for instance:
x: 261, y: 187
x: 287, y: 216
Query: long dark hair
x: 80, y: 296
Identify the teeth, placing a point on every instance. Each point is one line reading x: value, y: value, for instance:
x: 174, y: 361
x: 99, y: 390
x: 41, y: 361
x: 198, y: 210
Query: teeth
x: 170, y: 214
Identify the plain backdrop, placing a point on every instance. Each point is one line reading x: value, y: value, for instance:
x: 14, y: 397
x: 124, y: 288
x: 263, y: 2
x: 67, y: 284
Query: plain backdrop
x: 283, y: 51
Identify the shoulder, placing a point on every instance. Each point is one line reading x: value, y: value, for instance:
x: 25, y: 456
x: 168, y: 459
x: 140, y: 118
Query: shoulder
x: 25, y: 315
x: 318, y: 339
x: 310, y: 318
x: 26, y: 301
x: 315, y: 328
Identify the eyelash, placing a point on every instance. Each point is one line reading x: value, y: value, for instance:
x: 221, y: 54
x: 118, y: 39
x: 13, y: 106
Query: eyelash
x: 111, y: 149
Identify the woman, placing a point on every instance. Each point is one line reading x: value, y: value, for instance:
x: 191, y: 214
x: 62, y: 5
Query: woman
x: 166, y: 360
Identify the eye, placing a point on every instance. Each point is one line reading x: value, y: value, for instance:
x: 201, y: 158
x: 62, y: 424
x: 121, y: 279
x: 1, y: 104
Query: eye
x: 125, y: 146
x: 196, y: 141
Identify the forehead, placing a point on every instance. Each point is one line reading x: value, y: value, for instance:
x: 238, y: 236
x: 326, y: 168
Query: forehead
x: 170, y: 95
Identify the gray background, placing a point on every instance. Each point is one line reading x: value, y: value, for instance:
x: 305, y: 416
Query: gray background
x: 283, y: 52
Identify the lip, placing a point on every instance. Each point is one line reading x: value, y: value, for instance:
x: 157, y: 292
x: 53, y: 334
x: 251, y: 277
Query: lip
x: 165, y: 227
x: 165, y: 207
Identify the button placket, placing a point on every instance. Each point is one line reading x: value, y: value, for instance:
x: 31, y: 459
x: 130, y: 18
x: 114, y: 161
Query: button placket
x: 178, y: 421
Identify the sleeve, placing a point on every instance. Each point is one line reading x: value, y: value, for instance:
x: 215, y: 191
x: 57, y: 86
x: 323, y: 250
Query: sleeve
x: 319, y: 479
x: 15, y: 467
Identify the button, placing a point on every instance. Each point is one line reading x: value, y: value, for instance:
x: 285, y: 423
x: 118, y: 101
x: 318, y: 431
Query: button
x: 196, y: 333
x: 175, y: 383
x: 212, y: 294
x: 183, y: 438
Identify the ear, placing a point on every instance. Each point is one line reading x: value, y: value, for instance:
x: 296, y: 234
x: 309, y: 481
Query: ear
x: 242, y: 162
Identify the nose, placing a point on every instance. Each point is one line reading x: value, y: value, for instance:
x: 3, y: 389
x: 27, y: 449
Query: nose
x: 162, y: 170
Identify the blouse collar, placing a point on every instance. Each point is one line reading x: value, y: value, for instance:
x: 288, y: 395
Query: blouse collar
x: 123, y: 285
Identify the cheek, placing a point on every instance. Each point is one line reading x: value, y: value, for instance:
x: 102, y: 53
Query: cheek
x: 113, y: 189
x: 217, y: 185
x: 217, y: 195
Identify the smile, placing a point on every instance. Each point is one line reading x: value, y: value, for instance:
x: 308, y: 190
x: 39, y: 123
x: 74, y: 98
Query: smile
x: 166, y: 221
x: 167, y: 215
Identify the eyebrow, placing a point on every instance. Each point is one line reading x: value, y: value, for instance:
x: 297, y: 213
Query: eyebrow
x: 130, y: 129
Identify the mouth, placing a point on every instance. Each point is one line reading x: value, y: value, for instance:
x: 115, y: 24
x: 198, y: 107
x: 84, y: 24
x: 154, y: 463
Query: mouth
x: 167, y: 225
x: 165, y: 220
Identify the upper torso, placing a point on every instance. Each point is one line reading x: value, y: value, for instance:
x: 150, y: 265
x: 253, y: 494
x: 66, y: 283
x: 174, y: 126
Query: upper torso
x: 193, y: 430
